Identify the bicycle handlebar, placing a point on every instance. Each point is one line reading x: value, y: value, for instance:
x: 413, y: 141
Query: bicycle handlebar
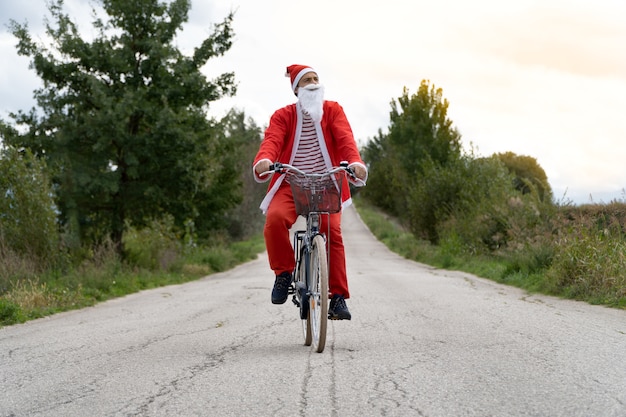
x: 280, y: 168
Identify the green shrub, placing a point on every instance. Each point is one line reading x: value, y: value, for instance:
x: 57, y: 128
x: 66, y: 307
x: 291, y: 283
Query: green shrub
x: 10, y: 313
x: 153, y: 247
x: 467, y: 198
x: 590, y: 263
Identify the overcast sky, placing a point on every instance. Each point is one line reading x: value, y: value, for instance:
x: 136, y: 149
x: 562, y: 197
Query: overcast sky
x: 543, y: 78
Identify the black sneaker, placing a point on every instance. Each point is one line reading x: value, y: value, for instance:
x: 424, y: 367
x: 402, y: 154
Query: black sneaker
x: 280, y: 292
x: 338, y: 310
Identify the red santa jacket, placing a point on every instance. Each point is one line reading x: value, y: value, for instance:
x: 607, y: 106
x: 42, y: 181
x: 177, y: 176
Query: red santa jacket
x: 283, y: 136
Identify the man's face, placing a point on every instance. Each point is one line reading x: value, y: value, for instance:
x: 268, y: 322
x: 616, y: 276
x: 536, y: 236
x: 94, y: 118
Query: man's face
x: 308, y: 78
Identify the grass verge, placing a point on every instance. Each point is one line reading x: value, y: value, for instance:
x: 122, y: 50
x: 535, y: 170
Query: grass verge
x: 589, y: 271
x: 106, y: 278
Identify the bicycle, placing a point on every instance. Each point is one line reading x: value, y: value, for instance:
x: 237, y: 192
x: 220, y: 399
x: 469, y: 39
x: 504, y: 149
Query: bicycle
x: 314, y: 195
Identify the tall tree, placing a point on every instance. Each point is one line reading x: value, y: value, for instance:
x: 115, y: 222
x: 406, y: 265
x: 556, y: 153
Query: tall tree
x: 420, y: 128
x: 420, y: 133
x: 122, y: 120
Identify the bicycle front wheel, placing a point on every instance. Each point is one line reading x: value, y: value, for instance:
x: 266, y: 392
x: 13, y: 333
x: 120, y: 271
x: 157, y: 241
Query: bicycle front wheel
x: 318, y: 293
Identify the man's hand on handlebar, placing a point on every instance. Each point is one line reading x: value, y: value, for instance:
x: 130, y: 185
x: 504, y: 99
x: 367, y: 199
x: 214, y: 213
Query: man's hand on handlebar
x: 263, y: 166
x: 359, y: 171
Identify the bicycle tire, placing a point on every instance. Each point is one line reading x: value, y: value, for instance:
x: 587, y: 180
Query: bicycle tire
x: 318, y: 293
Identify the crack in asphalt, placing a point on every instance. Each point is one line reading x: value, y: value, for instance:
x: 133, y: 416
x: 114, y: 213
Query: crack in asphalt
x: 388, y: 392
x: 186, y: 375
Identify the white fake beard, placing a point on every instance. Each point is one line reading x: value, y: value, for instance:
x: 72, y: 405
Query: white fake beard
x: 311, y: 98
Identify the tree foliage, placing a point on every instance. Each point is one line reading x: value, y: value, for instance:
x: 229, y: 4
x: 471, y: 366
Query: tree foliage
x: 466, y: 199
x: 419, y: 173
x: 528, y: 175
x: 386, y: 179
x: 419, y: 133
x: 246, y: 218
x: 421, y: 130
x: 27, y: 217
x: 122, y: 120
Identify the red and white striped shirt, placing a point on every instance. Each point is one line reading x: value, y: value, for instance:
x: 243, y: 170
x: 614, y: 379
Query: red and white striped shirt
x: 309, y: 157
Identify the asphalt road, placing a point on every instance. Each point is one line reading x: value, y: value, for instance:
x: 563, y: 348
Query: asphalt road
x: 422, y: 342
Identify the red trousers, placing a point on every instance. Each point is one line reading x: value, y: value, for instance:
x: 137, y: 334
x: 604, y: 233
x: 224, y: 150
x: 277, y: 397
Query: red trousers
x: 280, y: 216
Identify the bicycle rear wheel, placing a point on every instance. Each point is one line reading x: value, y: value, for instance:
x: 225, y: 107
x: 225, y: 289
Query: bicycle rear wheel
x: 318, y: 293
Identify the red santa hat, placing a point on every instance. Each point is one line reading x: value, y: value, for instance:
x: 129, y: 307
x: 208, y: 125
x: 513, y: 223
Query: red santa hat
x: 296, y: 72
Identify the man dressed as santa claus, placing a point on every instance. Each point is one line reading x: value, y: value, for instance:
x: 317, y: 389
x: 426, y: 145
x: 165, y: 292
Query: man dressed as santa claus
x: 313, y: 135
